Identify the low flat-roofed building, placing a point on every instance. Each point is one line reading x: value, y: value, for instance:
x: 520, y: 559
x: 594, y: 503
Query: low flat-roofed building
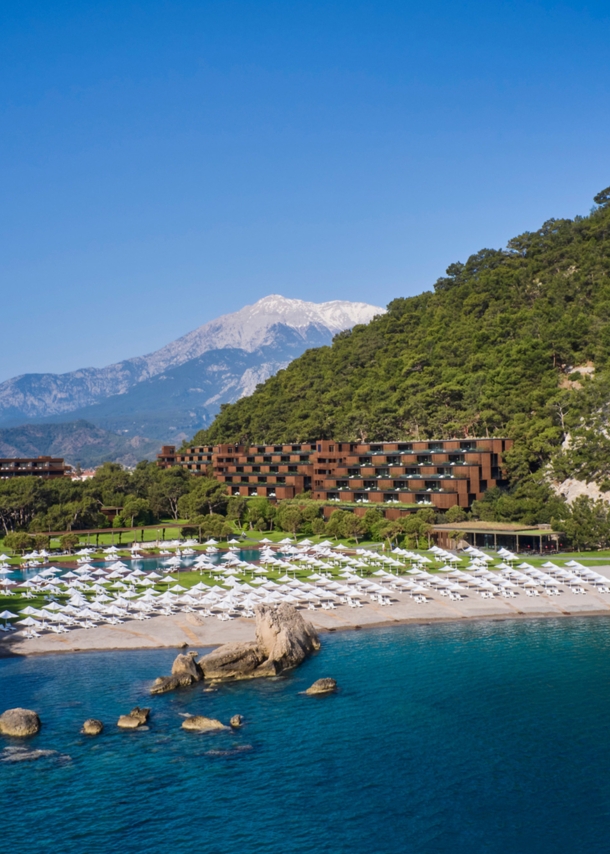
x: 495, y: 535
x: 33, y: 466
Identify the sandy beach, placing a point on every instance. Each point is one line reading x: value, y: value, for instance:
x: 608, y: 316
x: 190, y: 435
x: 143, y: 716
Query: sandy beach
x: 192, y: 629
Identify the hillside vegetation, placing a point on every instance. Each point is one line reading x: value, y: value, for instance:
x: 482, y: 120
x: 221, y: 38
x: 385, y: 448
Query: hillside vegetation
x: 493, y: 350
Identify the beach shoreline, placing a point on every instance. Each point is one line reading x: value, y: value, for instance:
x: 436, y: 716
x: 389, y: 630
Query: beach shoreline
x: 188, y: 630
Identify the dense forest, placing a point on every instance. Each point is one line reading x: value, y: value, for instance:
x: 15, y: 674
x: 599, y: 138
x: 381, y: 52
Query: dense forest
x: 495, y: 350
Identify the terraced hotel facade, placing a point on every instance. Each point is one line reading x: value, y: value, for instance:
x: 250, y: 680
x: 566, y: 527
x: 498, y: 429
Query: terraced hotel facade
x: 390, y: 475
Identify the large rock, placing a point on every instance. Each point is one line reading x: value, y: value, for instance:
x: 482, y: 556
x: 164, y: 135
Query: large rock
x: 185, y: 671
x: 322, y: 686
x: 19, y: 723
x: 283, y: 640
x: 92, y: 727
x: 233, y: 661
x: 136, y: 718
x: 284, y: 635
x: 199, y: 723
x: 185, y: 665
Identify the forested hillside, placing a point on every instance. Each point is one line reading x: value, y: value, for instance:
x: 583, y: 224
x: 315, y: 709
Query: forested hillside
x: 494, y: 350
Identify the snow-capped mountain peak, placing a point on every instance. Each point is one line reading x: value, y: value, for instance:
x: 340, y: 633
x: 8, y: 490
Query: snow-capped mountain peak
x: 250, y: 327
x: 219, y: 362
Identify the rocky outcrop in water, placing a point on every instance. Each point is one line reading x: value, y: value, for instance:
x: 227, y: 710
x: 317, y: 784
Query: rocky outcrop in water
x: 322, y: 686
x: 236, y: 721
x: 92, y: 727
x: 283, y: 640
x: 19, y: 723
x: 199, y: 723
x: 185, y: 671
x: 136, y: 718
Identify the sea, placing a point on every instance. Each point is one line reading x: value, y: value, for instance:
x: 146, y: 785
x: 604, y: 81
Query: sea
x: 472, y: 737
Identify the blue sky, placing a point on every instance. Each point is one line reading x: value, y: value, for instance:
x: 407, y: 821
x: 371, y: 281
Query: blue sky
x: 163, y: 163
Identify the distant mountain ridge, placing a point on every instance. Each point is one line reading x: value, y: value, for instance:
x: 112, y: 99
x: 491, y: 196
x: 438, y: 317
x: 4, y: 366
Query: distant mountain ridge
x: 249, y: 346
x: 78, y: 442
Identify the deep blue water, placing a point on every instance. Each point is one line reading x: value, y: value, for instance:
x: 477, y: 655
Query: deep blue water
x: 486, y: 737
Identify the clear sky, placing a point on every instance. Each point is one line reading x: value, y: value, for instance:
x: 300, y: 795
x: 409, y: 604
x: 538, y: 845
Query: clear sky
x: 162, y: 163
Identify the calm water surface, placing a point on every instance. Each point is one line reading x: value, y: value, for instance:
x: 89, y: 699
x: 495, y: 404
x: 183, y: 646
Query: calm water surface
x: 487, y: 737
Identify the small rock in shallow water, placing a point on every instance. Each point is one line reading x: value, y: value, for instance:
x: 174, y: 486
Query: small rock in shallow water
x: 136, y: 718
x: 92, y: 727
x: 19, y: 723
x: 322, y: 686
x: 199, y: 723
x: 236, y: 721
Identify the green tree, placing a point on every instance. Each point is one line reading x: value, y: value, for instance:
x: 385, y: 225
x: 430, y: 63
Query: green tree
x: 237, y: 509
x: 136, y: 511
x: 334, y: 526
x: 166, y: 492
x: 353, y: 527
x: 372, y: 518
x: 18, y: 541
x: 318, y: 527
x: 261, y: 513
x: 68, y: 542
x: 206, y: 496
x: 289, y: 518
x: 455, y: 514
x: 587, y: 525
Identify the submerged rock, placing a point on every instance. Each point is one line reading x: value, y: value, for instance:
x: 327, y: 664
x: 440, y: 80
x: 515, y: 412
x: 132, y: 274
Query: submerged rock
x: 136, y: 718
x: 19, y: 723
x: 92, y: 727
x: 236, y: 721
x: 199, y: 723
x: 22, y: 754
x: 283, y: 640
x: 322, y: 686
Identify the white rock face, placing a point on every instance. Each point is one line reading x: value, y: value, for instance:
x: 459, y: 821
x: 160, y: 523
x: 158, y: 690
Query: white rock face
x: 571, y: 489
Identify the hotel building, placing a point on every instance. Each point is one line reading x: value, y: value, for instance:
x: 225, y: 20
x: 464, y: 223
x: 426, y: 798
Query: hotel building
x: 46, y: 467
x: 388, y: 475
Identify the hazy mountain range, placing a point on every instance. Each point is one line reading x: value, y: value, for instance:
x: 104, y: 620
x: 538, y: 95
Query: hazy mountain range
x: 169, y: 394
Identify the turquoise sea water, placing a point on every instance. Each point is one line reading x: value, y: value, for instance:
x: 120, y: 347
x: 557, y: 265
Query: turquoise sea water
x: 486, y: 737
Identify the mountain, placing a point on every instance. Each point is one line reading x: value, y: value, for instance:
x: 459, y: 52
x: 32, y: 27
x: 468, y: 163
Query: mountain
x: 182, y: 399
x: 513, y: 342
x: 222, y: 361
x: 79, y: 442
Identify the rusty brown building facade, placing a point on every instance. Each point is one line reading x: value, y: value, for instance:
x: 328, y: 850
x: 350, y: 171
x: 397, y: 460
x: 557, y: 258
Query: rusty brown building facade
x: 443, y: 473
x: 45, y: 467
